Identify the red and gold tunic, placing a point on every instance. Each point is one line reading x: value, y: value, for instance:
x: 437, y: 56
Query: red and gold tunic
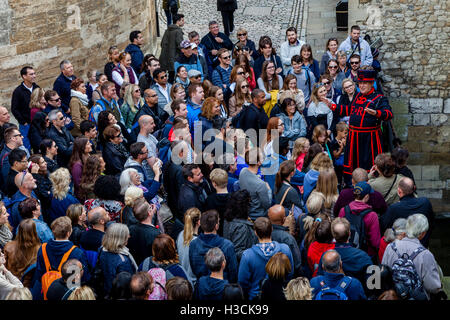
x: 364, y: 141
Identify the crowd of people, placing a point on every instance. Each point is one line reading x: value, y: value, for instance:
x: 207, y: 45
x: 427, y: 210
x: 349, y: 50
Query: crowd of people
x: 220, y: 171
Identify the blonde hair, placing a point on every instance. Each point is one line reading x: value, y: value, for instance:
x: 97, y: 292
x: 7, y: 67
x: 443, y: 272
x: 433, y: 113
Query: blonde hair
x: 315, y: 93
x: 321, y: 162
x: 60, y: 179
x: 318, y: 131
x: 348, y: 80
x: 128, y: 97
x: 19, y: 294
x: 82, y: 293
x: 298, y: 289
x: 299, y: 146
x: 327, y: 185
x: 219, y: 177
x: 116, y: 237
x: 35, y: 99
x: 191, y: 218
x: 132, y: 194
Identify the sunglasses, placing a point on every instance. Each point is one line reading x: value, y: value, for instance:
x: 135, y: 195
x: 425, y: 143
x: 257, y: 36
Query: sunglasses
x: 59, y: 99
x: 241, y: 34
x: 332, y: 67
x: 354, y: 62
x: 62, y: 118
x: 163, y: 77
x: 153, y: 96
x: 244, y: 86
x: 137, y: 90
x: 227, y: 57
x: 240, y: 73
x: 119, y: 135
x: 197, y: 77
x: 326, y: 83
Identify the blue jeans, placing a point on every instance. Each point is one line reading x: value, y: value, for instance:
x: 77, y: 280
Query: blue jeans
x: 24, y: 131
x: 169, y: 13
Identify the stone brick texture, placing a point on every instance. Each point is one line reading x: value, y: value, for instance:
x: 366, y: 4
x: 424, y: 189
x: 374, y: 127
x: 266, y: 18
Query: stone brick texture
x: 42, y: 33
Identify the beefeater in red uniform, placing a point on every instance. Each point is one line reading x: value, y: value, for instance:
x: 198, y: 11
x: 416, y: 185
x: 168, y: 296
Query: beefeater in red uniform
x: 366, y: 112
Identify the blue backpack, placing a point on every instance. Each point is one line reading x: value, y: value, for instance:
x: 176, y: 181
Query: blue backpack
x: 336, y: 293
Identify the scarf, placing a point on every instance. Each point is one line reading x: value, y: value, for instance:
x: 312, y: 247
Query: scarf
x: 5, y: 235
x: 121, y: 149
x: 126, y: 252
x: 82, y: 97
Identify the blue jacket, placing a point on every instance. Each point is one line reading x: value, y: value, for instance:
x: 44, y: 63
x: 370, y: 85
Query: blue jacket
x: 190, y: 63
x: 43, y: 231
x: 55, y: 251
x: 198, y: 248
x: 252, y: 266
x: 309, y: 183
x: 194, y: 110
x: 354, y: 290
x: 270, y: 167
x: 208, y: 288
x: 354, y: 261
x: 59, y: 207
x: 294, y: 128
x: 136, y: 57
x: 112, y: 264
x: 221, y: 77
x: 62, y: 86
x: 12, y: 205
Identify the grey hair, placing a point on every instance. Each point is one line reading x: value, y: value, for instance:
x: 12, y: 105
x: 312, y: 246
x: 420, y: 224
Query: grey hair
x: 94, y: 216
x: 132, y: 194
x: 116, y: 237
x: 214, y: 259
x: 415, y: 225
x: 332, y: 266
x: 125, y: 180
x: 53, y: 115
x: 399, y: 226
x: 63, y: 63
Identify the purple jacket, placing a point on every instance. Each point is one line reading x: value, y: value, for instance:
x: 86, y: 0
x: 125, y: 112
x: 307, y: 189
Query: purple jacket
x: 371, y: 225
x: 376, y: 201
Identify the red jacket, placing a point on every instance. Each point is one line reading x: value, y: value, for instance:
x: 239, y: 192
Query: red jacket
x: 371, y: 225
x: 383, y: 246
x: 315, y: 252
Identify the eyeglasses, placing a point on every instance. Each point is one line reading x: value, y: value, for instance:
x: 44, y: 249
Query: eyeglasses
x: 348, y: 87
x: 354, y: 62
x: 272, y: 67
x: 241, y: 34
x: 332, y: 67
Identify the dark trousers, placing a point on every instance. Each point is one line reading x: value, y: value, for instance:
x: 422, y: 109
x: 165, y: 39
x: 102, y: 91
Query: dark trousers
x: 170, y: 13
x: 228, y: 21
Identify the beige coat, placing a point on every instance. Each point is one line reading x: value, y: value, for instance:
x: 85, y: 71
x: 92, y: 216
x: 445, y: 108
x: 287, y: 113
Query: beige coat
x: 79, y: 113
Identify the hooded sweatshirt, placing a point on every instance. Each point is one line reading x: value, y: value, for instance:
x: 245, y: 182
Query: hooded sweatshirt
x: 198, y: 248
x: 371, y: 225
x: 252, y: 266
x: 209, y: 288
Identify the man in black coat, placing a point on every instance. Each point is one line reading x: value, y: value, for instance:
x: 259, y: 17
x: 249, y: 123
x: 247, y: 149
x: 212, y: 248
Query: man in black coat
x: 213, y: 41
x: 152, y: 109
x: 255, y: 117
x: 143, y: 234
x: 191, y: 193
x: 62, y: 83
x: 62, y: 137
x: 407, y: 206
x: 227, y: 8
x: 20, y: 101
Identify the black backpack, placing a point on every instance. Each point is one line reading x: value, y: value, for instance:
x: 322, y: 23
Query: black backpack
x: 357, y: 228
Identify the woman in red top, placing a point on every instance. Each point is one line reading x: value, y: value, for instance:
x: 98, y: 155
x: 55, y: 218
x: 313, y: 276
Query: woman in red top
x: 320, y: 239
x: 249, y: 74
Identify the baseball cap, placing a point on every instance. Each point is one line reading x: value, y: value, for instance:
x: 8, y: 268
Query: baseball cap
x: 362, y: 188
x: 193, y: 45
x: 193, y: 73
x: 185, y: 44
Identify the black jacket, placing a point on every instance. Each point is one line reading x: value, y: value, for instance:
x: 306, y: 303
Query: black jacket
x: 91, y: 239
x: 43, y: 190
x: 38, y: 131
x: 173, y: 180
x: 241, y: 233
x: 226, y: 5
x: 281, y: 234
x: 20, y: 103
x: 77, y: 231
x: 218, y: 202
x: 52, y: 165
x: 158, y: 114
x: 407, y: 206
x: 114, y: 160
x: 141, y: 241
x: 64, y: 141
x: 254, y: 118
x: 191, y: 196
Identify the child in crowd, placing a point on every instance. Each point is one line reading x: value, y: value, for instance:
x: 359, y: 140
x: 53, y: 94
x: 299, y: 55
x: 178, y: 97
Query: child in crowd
x: 337, y: 148
x: 322, y: 136
x: 299, y: 152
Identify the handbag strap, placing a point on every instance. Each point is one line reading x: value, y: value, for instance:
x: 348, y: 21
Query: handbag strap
x: 395, y: 179
x: 284, y: 195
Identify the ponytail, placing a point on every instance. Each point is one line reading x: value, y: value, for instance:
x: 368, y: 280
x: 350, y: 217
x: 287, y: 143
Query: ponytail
x: 286, y: 168
x: 191, y: 218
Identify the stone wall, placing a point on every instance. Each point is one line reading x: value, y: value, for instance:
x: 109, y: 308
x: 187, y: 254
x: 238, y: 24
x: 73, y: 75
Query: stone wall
x: 42, y: 33
x: 414, y: 59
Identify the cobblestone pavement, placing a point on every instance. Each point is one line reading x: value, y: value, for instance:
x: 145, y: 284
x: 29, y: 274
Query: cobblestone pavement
x: 259, y: 17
